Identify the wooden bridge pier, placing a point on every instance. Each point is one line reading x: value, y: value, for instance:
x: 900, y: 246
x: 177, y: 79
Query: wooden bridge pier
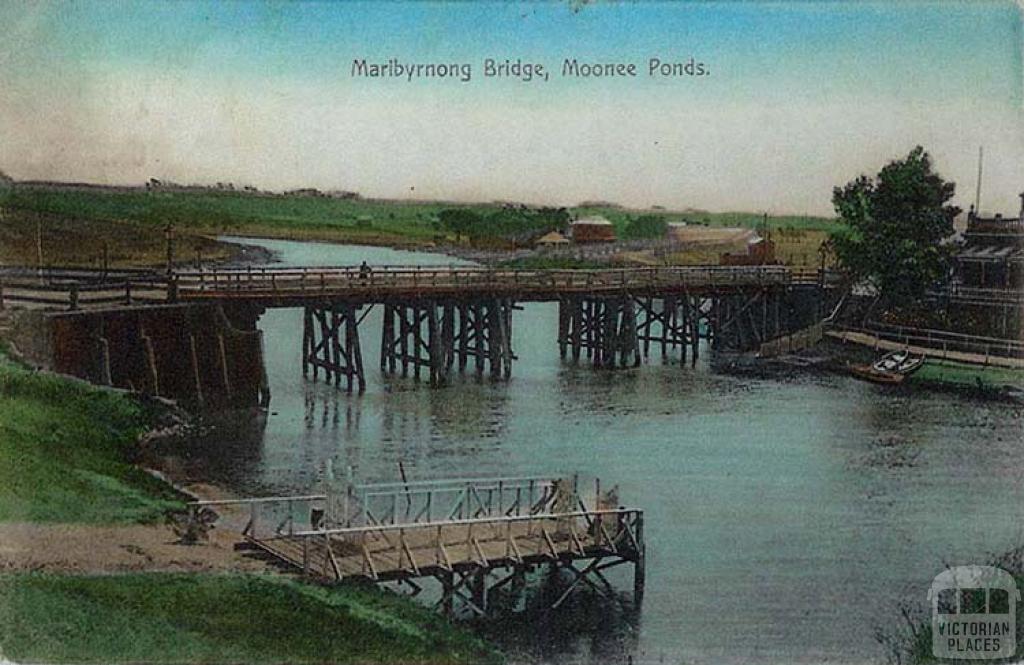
x: 330, y: 341
x: 744, y: 322
x: 437, y: 334
x: 674, y: 322
x: 604, y: 327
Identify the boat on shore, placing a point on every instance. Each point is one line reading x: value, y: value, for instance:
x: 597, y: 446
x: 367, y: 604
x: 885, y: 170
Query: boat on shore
x: 890, y: 369
x: 898, y: 362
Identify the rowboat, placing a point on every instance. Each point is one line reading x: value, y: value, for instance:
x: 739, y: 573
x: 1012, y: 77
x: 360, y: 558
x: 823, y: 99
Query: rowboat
x: 869, y: 373
x: 898, y: 362
x: 890, y: 369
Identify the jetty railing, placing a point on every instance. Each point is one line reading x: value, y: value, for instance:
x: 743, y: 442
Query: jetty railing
x: 412, y: 502
x: 943, y: 340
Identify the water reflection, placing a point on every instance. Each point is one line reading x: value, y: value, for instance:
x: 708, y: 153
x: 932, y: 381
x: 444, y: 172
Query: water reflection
x: 779, y: 512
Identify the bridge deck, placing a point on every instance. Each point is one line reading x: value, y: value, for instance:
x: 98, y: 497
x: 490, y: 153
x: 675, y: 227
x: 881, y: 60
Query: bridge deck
x: 288, y: 287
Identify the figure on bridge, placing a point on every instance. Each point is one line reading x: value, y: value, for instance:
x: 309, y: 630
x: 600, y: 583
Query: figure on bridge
x: 364, y: 270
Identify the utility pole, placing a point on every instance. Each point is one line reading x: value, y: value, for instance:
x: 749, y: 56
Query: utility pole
x: 977, y: 193
x: 39, y: 244
x: 169, y: 237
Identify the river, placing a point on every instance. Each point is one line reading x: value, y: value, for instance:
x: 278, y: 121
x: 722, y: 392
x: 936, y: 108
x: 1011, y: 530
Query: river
x: 785, y: 518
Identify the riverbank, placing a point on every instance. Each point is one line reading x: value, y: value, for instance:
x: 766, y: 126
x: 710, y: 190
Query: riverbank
x: 911, y: 642
x: 835, y: 357
x: 93, y: 570
x: 129, y: 222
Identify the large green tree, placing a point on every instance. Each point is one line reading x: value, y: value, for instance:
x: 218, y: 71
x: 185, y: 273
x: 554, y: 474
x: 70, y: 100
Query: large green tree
x: 895, y: 227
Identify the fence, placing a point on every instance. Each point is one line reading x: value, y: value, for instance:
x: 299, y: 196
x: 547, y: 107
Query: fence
x: 944, y: 341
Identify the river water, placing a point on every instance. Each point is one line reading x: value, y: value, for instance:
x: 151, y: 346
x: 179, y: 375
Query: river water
x: 785, y: 518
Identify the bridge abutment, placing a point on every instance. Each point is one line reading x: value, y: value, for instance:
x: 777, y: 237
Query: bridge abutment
x: 188, y: 352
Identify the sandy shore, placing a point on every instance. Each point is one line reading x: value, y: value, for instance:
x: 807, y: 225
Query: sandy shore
x: 82, y: 549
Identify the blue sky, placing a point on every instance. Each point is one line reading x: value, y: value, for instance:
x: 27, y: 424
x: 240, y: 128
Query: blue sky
x: 226, y: 90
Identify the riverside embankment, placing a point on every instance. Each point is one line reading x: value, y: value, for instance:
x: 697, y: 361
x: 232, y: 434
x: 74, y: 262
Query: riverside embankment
x: 90, y: 570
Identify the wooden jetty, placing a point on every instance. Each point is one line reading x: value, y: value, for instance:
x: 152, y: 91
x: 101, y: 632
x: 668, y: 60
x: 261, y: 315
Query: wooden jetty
x: 472, y: 536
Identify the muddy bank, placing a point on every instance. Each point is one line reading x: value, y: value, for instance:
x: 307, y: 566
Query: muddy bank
x: 835, y: 357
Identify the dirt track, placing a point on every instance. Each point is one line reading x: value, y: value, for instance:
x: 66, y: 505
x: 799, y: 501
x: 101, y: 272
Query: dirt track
x: 77, y: 548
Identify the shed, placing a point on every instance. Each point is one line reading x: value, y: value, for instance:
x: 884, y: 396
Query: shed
x: 592, y: 229
x: 552, y: 239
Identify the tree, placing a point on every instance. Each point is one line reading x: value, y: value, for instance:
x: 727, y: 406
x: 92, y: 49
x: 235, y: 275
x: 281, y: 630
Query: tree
x: 895, y: 225
x: 646, y: 226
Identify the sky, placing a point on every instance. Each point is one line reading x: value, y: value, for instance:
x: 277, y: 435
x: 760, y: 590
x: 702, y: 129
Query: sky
x: 800, y: 97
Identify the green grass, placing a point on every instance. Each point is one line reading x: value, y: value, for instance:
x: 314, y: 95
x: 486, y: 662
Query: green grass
x: 65, y: 451
x: 542, y: 262
x: 176, y: 618
x: 142, y: 215
x: 957, y: 374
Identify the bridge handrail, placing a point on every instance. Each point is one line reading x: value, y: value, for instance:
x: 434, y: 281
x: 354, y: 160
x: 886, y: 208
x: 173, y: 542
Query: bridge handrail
x: 943, y: 340
x: 506, y: 519
x: 321, y: 279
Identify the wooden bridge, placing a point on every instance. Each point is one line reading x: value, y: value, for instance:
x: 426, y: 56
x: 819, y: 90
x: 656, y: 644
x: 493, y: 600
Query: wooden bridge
x: 473, y: 536
x: 436, y: 320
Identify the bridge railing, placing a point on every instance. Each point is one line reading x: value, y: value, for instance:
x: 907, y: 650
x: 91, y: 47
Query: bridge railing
x: 67, y: 293
x: 292, y: 281
x: 82, y: 287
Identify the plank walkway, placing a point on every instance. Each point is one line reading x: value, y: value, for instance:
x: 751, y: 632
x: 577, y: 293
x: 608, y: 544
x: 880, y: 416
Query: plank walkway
x: 290, y: 287
x: 457, y: 532
x: 867, y: 339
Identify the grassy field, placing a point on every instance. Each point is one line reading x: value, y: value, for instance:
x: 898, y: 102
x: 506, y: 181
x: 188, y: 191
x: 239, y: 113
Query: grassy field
x: 76, y: 222
x: 973, y: 376
x: 65, y: 449
x: 174, y: 618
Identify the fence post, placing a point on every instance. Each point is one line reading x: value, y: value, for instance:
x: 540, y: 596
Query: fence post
x: 1, y: 294
x: 74, y: 296
x: 127, y: 293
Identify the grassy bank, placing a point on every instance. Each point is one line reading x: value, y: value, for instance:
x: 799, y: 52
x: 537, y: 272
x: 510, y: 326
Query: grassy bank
x: 958, y: 375
x: 131, y: 221
x: 169, y: 618
x: 66, y: 453
x: 910, y: 641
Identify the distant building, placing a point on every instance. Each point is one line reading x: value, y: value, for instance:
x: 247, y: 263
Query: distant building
x: 592, y: 230
x: 553, y: 239
x: 992, y: 256
x: 760, y: 252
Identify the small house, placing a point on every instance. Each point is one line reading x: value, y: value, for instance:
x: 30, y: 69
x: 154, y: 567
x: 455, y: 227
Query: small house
x: 592, y: 230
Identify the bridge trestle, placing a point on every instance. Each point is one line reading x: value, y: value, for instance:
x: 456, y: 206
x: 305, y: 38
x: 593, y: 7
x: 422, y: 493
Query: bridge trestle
x: 617, y: 331
x: 330, y: 341
x: 436, y: 334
